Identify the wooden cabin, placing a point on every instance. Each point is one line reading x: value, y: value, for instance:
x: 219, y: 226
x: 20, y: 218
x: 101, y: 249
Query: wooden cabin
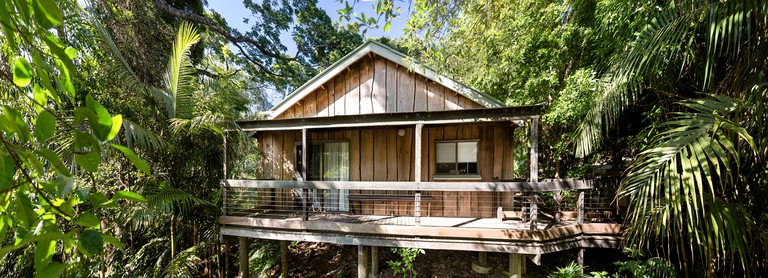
x: 379, y: 151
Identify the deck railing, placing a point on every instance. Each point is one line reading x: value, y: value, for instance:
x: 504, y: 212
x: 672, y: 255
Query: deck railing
x: 533, y: 203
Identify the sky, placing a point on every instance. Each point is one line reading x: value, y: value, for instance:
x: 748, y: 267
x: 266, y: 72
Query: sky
x: 234, y: 12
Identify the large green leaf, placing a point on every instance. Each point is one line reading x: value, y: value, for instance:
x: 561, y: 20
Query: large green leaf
x: 54, y: 160
x: 7, y: 170
x: 45, y: 126
x: 22, y: 72
x: 47, y: 14
x: 127, y: 195
x: 89, y: 220
x: 25, y: 214
x: 138, y: 162
x: 117, y: 123
x: 44, y: 253
x: 89, y: 161
x: 52, y: 270
x: 103, y: 125
x: 91, y: 242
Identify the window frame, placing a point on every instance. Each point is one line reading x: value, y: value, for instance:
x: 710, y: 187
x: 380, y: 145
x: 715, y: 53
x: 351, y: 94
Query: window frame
x: 458, y: 176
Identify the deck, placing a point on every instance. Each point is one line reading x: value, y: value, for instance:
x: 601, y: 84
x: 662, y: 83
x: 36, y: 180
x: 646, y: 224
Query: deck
x: 283, y: 215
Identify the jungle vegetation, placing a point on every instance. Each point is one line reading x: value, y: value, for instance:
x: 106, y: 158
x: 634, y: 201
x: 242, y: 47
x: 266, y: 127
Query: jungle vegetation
x: 113, y: 116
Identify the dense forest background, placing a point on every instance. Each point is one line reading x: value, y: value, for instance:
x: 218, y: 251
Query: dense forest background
x: 114, y: 112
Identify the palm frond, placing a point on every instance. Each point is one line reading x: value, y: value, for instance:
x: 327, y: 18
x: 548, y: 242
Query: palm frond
x: 677, y: 188
x: 656, y: 45
x: 137, y: 136
x: 199, y: 124
x: 178, y: 75
x: 184, y: 264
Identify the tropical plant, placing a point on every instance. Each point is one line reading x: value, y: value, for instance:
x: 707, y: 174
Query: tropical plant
x: 696, y: 191
x: 648, y: 268
x: 53, y: 140
x: 404, y: 266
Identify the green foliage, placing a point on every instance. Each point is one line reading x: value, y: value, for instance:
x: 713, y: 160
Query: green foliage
x: 572, y: 270
x: 49, y: 198
x: 404, y: 266
x: 651, y: 267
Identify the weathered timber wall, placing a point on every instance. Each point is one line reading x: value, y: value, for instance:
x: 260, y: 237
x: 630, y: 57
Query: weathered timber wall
x: 381, y: 155
x: 376, y: 85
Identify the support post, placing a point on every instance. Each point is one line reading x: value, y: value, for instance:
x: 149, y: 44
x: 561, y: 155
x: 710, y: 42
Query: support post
x: 283, y: 259
x: 226, y: 256
x: 580, y: 258
x: 516, y: 265
x: 362, y: 261
x: 534, y: 211
x: 534, y: 149
x: 304, y: 191
x: 417, y: 152
x: 224, y: 190
x: 417, y: 173
x: 243, y: 257
x: 374, y: 261
x: 580, y: 208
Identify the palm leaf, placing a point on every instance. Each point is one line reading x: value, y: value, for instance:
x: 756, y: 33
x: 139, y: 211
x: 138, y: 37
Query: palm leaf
x: 677, y: 188
x: 178, y: 75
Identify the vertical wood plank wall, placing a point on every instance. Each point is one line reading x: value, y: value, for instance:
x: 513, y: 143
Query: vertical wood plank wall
x: 376, y: 85
x: 381, y: 155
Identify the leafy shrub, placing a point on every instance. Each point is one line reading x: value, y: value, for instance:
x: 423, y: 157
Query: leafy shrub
x: 404, y: 266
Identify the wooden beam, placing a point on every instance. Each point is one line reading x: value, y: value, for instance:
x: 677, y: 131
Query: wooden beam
x: 397, y: 118
x: 417, y: 168
x: 534, y: 150
x: 521, y: 186
x: 426, y: 231
x: 487, y: 245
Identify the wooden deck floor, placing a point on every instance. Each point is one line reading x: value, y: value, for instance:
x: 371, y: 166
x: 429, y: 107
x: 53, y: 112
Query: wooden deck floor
x: 446, y: 233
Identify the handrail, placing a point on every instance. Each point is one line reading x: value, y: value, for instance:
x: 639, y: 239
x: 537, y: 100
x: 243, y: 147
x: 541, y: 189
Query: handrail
x: 541, y: 186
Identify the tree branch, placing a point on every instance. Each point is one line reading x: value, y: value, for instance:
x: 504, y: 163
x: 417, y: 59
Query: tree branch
x: 163, y: 6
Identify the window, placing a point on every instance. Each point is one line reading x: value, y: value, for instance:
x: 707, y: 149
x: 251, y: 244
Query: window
x: 456, y: 158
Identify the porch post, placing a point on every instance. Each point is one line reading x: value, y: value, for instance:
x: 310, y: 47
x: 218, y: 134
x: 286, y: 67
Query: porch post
x: 417, y: 173
x: 362, y: 261
x: 516, y: 265
x: 243, y: 257
x: 534, y: 211
x: 284, y: 259
x: 374, y: 261
x: 534, y: 149
x: 304, y: 191
x: 580, y: 208
x: 225, y: 155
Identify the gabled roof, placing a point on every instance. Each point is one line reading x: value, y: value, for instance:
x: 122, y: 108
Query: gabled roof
x: 389, y: 54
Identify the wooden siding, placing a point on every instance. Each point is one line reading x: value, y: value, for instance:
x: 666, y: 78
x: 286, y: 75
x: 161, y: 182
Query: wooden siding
x: 381, y: 155
x: 376, y: 85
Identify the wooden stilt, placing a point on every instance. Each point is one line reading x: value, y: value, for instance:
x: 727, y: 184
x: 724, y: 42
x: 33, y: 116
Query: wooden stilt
x: 374, y: 261
x: 580, y: 257
x: 284, y: 259
x: 226, y: 256
x: 243, y: 257
x: 516, y: 265
x: 362, y: 261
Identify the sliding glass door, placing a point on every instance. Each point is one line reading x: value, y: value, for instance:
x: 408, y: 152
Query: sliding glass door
x: 328, y: 161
